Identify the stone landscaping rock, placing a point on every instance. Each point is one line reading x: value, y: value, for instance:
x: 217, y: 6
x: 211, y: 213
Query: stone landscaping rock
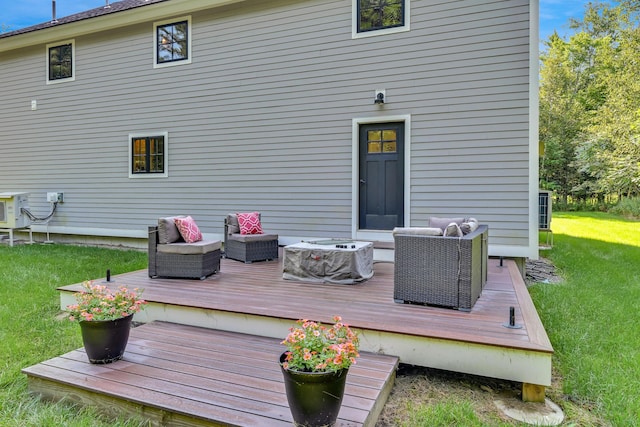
x: 541, y: 271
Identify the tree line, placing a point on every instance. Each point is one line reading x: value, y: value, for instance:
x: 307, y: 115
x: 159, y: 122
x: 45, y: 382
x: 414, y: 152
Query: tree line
x: 590, y: 105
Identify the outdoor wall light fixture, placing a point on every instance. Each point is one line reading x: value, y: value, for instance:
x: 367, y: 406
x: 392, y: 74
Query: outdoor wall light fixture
x: 379, y: 96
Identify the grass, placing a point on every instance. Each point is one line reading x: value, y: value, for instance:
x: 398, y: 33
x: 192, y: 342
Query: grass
x: 591, y: 318
x: 32, y: 330
x: 448, y: 412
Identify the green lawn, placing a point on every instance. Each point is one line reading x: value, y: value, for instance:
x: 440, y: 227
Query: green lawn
x: 591, y: 318
x: 31, y: 329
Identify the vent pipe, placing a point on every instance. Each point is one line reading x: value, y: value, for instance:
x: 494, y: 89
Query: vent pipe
x: 54, y: 20
x: 107, y: 5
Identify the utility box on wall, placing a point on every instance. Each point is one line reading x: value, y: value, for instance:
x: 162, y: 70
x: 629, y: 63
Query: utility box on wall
x: 11, y: 215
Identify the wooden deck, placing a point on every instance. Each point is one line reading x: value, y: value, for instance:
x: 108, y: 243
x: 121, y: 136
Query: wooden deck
x: 187, y: 376
x: 253, y: 299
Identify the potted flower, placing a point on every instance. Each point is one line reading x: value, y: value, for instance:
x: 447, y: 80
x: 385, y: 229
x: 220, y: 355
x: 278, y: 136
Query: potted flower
x: 105, y: 317
x: 315, y: 367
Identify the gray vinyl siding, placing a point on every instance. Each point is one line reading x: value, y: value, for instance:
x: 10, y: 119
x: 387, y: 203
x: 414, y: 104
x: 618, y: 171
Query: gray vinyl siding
x: 262, y: 118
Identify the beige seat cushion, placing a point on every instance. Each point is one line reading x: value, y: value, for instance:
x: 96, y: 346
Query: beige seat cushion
x: 246, y: 238
x: 418, y: 231
x: 196, y: 248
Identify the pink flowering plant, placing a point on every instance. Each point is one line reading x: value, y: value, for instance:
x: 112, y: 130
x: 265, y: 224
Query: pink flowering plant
x: 314, y: 347
x: 97, y: 302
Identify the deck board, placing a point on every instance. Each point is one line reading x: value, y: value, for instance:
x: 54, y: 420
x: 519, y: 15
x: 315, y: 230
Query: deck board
x: 258, y: 289
x: 175, y: 372
x: 254, y: 299
x: 205, y: 377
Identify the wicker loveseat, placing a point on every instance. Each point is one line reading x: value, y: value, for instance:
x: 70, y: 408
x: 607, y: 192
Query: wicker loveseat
x: 171, y: 256
x: 248, y: 247
x: 439, y: 270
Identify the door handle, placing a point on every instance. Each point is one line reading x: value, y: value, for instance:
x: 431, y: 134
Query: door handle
x: 362, y: 181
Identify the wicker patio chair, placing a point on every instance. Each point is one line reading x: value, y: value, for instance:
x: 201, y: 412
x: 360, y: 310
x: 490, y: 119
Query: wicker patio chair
x: 170, y: 256
x: 442, y: 271
x: 247, y: 247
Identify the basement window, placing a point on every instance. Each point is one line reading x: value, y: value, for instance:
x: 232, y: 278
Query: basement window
x: 61, y: 62
x: 148, y: 155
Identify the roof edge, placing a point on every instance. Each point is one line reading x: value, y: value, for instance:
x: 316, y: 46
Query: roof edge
x: 108, y: 21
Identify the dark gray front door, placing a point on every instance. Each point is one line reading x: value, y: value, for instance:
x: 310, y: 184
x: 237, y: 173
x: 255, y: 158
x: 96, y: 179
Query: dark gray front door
x: 381, y: 197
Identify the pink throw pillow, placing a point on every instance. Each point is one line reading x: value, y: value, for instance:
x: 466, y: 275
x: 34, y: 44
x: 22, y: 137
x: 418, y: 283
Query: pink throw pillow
x: 250, y: 223
x: 188, y: 229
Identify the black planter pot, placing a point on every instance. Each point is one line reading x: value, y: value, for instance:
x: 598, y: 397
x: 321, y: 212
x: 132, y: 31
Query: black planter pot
x: 314, y: 397
x: 105, y: 340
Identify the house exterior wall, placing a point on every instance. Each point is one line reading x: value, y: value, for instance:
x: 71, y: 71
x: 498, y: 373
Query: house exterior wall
x: 262, y: 119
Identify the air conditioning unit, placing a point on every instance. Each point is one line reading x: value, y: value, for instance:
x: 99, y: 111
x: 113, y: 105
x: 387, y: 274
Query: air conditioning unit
x: 544, y: 210
x: 11, y: 205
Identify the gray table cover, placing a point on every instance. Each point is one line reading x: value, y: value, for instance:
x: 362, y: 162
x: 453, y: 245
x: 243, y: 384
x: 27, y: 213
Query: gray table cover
x: 321, y: 263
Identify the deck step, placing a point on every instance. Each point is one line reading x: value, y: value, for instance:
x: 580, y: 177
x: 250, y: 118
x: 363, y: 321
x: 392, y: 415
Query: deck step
x: 174, y: 374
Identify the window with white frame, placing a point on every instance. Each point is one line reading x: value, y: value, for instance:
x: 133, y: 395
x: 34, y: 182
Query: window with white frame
x: 148, y: 155
x: 61, y: 62
x: 172, y: 42
x: 375, y: 17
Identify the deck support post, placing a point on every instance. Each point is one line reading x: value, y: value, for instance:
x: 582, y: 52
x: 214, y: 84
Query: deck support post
x: 532, y: 392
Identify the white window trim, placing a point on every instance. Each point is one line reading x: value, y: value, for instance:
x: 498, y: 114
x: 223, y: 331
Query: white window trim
x: 354, y: 23
x: 72, y: 42
x: 166, y: 155
x: 155, y: 42
x: 382, y: 236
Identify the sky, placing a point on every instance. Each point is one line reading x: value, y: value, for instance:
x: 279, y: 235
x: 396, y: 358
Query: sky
x: 16, y: 14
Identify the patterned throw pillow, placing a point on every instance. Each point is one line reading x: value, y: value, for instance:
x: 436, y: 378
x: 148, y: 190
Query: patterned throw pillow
x: 250, y: 223
x: 188, y: 229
